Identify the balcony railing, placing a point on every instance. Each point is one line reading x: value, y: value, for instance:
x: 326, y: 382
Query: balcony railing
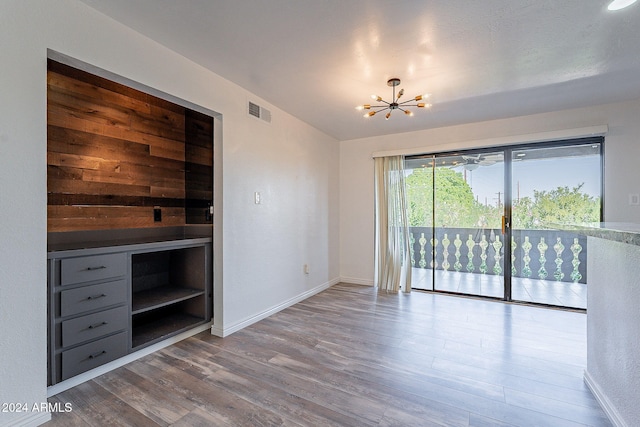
x: 537, y: 254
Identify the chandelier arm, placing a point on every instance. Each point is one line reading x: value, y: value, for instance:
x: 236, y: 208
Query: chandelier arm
x: 372, y: 107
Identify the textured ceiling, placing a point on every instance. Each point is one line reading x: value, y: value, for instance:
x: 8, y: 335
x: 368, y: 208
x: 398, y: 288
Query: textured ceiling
x: 480, y: 60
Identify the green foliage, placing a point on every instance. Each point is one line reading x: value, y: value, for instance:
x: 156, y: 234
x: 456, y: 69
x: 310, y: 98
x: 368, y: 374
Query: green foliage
x: 563, y: 205
x: 456, y: 206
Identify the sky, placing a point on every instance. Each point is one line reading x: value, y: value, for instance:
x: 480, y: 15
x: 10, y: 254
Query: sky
x: 540, y: 174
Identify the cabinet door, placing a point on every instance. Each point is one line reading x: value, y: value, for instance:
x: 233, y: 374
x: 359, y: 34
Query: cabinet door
x: 92, y: 355
x: 90, y: 268
x: 85, y: 328
x: 87, y: 298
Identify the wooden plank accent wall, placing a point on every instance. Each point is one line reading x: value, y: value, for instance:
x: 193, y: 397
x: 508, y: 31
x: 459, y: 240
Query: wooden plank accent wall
x: 115, y: 152
x: 199, y: 166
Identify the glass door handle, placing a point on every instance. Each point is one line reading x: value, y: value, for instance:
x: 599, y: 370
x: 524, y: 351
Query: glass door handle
x: 505, y: 224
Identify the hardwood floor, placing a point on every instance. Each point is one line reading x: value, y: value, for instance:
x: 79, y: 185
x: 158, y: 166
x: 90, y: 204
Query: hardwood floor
x: 352, y: 357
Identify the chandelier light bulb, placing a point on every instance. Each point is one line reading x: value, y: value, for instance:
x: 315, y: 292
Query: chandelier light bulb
x: 408, y: 113
x: 400, y: 93
x: 388, y: 115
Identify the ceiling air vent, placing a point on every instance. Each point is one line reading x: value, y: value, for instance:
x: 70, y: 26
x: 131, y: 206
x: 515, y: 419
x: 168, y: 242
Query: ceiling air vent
x: 259, y: 112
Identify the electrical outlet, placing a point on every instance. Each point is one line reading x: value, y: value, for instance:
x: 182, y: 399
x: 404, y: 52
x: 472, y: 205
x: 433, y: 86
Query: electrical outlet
x: 157, y: 214
x: 305, y: 268
x: 256, y: 198
x: 634, y: 199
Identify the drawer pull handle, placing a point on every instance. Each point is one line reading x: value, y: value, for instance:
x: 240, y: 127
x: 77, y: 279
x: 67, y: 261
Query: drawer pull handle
x: 98, y: 354
x: 102, y: 267
x: 96, y: 296
x: 97, y: 325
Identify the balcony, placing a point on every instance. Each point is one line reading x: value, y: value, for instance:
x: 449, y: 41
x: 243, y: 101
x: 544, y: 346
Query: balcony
x: 548, y: 266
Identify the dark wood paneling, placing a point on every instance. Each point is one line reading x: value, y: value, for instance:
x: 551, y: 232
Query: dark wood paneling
x: 111, y: 87
x: 199, y: 167
x: 110, y: 200
x: 71, y: 218
x: 114, y: 152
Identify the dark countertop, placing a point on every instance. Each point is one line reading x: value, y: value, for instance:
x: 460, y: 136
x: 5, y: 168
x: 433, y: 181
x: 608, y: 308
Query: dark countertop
x: 75, y: 240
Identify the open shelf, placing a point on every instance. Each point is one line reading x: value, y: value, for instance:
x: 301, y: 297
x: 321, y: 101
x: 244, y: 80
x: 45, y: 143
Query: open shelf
x: 151, y: 299
x: 168, y: 292
x: 149, y: 330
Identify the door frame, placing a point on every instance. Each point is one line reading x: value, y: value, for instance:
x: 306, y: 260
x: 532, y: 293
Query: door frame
x: 507, y: 151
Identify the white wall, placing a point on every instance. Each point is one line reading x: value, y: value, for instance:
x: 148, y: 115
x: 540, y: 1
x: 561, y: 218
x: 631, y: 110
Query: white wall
x: 613, y: 328
x: 294, y: 166
x: 622, y: 175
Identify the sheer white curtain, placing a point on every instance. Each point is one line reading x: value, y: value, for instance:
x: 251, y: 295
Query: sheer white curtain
x: 393, y: 257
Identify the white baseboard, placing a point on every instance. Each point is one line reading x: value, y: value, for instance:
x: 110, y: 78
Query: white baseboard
x: 86, y: 376
x: 604, y: 401
x: 226, y: 331
x: 356, y: 281
x: 29, y: 419
x: 217, y: 331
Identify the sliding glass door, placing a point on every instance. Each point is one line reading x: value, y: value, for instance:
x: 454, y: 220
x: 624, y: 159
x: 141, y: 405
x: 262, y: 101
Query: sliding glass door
x: 553, y: 186
x: 468, y: 246
x: 468, y: 209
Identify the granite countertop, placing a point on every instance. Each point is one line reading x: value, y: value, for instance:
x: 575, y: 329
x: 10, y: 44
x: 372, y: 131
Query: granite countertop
x: 623, y: 232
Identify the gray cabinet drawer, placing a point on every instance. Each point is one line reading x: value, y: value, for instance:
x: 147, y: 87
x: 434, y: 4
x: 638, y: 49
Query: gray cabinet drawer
x: 92, y: 355
x: 92, y: 326
x: 97, y: 267
x: 74, y: 301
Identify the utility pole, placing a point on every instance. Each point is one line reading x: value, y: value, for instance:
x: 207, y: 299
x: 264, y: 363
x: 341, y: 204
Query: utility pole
x: 499, y: 193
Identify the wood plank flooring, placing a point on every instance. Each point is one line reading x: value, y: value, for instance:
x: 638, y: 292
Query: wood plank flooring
x: 352, y: 357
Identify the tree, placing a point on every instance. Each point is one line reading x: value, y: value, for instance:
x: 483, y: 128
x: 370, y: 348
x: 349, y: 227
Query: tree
x: 564, y: 206
x: 455, y: 205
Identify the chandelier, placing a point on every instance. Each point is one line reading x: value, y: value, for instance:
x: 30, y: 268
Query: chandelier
x: 394, y: 104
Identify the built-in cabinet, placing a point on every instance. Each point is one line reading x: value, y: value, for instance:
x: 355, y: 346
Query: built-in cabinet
x: 108, y: 301
x: 130, y: 217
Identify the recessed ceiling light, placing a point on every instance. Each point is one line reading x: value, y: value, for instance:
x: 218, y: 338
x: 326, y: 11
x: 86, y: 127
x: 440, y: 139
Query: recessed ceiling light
x: 620, y: 4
